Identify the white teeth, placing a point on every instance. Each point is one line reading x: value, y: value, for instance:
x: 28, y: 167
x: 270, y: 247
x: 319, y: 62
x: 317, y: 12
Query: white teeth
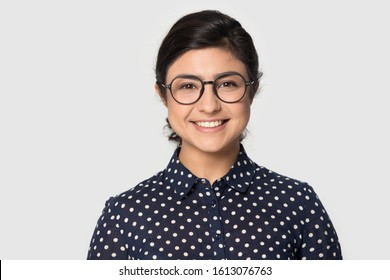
x: 209, y: 124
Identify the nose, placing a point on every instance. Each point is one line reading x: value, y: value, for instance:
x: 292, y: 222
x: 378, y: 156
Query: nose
x: 209, y: 102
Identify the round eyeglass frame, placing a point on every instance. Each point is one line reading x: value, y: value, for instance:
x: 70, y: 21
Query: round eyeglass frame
x: 215, y: 91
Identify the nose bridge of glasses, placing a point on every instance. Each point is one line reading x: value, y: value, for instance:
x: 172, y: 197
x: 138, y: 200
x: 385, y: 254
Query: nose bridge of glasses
x: 208, y: 99
x: 209, y: 83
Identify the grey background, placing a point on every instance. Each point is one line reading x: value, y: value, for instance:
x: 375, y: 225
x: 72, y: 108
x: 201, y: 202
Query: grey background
x: 80, y: 122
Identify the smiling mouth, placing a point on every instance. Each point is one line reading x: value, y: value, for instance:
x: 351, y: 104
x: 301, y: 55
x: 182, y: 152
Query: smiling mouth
x: 210, y: 124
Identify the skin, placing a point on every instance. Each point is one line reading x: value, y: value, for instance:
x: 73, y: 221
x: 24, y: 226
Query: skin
x: 208, y: 153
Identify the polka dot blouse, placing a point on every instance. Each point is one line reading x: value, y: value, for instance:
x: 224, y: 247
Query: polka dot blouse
x: 250, y: 213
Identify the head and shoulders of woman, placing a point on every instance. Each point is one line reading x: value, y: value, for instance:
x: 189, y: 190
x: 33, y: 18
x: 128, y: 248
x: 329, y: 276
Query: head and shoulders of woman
x: 207, y: 75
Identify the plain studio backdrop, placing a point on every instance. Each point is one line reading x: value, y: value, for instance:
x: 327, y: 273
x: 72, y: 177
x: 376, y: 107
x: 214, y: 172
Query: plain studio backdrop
x: 80, y: 122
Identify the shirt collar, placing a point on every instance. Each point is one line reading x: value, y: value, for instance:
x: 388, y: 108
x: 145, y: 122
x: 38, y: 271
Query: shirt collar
x: 178, y: 176
x: 241, y: 173
x: 182, y: 180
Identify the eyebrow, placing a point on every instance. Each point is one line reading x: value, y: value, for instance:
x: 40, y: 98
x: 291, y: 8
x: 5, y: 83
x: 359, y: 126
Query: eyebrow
x: 202, y: 78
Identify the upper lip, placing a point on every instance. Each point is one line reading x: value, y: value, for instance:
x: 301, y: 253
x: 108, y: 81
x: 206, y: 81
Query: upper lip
x: 213, y: 120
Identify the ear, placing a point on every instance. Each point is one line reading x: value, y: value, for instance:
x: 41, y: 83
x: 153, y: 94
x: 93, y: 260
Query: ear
x: 160, y: 94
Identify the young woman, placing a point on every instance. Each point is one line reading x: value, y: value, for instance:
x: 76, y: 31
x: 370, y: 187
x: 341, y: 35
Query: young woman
x: 212, y: 201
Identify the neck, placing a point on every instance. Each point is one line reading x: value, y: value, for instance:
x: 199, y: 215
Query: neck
x: 209, y: 165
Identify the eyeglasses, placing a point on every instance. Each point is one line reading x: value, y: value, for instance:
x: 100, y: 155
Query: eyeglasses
x: 229, y: 87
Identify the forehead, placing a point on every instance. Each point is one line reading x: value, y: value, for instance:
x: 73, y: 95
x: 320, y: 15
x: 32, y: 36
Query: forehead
x: 206, y: 63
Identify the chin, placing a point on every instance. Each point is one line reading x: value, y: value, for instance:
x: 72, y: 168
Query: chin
x: 213, y: 146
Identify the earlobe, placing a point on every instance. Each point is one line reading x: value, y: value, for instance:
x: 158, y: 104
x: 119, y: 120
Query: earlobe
x: 160, y: 94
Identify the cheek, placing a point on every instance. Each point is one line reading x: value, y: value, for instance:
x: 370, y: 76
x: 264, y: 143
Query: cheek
x: 243, y: 113
x: 177, y: 114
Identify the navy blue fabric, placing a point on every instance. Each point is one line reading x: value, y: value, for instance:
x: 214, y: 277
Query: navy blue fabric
x: 250, y: 213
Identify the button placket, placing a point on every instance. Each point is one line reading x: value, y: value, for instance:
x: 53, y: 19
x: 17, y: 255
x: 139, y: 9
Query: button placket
x: 211, y: 201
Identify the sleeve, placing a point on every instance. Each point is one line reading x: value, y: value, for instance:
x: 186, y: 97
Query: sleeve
x: 108, y: 240
x: 319, y: 238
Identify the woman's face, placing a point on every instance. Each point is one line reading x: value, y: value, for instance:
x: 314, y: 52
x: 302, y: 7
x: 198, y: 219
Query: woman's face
x: 209, y: 125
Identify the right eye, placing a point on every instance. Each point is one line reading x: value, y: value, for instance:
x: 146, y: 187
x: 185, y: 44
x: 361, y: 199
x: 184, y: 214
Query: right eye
x: 187, y: 86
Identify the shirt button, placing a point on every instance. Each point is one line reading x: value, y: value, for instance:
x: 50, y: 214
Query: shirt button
x: 217, y: 236
x: 213, y: 204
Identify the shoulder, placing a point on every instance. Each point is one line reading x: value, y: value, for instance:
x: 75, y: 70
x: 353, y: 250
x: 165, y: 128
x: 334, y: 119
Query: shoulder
x: 267, y: 179
x: 270, y: 177
x: 288, y: 187
x: 289, y: 194
x: 138, y: 193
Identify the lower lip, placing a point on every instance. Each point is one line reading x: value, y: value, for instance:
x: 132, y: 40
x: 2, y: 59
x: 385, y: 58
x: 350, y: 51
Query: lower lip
x: 210, y: 129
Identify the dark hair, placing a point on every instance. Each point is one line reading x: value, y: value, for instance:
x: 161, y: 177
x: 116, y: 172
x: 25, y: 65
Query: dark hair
x: 201, y: 30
